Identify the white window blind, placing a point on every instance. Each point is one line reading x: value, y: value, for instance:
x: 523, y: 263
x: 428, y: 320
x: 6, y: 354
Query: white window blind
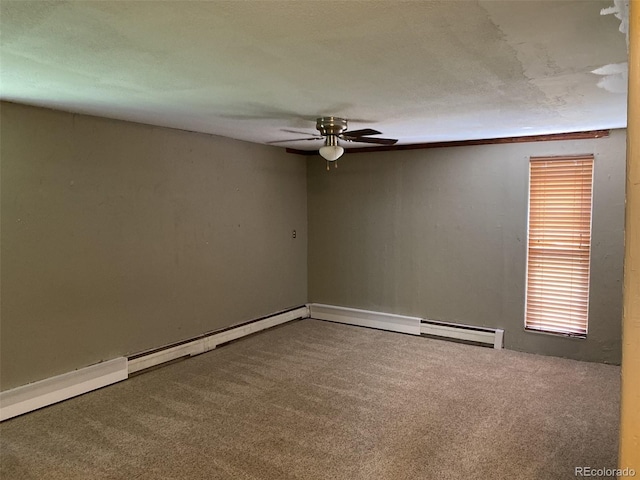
x: 559, y: 246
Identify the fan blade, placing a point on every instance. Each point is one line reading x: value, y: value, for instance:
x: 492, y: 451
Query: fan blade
x: 295, y: 140
x: 360, y: 133
x: 299, y: 132
x: 381, y: 141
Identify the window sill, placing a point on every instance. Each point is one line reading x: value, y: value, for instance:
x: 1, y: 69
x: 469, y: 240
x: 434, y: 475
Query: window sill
x: 576, y: 336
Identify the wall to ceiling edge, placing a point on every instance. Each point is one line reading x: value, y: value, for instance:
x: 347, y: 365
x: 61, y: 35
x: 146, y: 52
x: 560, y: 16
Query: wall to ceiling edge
x: 441, y: 234
x: 119, y: 237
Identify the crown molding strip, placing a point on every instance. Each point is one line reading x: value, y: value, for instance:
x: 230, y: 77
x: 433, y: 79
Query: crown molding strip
x: 590, y: 134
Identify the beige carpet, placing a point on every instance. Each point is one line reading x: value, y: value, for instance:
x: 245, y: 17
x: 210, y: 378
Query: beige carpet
x: 317, y: 400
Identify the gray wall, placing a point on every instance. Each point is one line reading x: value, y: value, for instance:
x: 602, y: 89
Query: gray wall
x: 119, y: 237
x: 441, y: 234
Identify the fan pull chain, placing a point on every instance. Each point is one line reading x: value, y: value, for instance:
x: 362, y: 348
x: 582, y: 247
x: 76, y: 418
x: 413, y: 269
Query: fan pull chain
x: 336, y: 163
x: 327, y: 165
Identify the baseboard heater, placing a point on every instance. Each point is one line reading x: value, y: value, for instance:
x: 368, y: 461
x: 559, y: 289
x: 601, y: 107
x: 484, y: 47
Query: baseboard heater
x: 366, y: 318
x: 209, y: 341
x: 52, y: 390
x: 407, y: 324
x: 55, y: 389
x: 489, y: 336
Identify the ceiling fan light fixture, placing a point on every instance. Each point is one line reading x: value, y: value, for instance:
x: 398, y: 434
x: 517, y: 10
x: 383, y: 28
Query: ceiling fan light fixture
x: 331, y: 152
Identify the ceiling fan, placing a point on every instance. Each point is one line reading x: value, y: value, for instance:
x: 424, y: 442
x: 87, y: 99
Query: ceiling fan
x: 333, y: 129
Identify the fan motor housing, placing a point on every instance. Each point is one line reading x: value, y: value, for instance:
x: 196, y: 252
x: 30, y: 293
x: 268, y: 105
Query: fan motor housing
x: 331, y: 125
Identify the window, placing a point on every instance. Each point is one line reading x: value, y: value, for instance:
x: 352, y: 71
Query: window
x: 559, y: 245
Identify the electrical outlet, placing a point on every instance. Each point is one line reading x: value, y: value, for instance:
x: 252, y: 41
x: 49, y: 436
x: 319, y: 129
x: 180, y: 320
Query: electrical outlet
x: 294, y: 234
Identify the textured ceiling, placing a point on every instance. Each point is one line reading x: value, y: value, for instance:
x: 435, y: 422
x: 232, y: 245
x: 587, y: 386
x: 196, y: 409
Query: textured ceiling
x: 418, y: 71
